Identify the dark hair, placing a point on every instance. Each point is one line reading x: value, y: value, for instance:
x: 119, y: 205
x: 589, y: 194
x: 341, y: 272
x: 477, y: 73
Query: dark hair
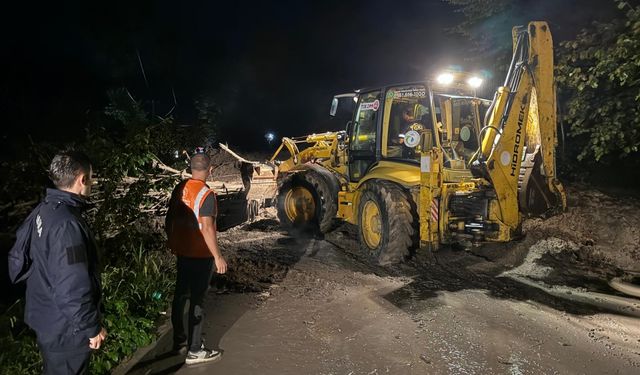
x: 200, y: 162
x: 67, y: 166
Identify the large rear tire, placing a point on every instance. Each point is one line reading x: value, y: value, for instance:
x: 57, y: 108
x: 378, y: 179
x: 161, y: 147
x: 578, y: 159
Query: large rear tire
x: 387, y: 222
x: 307, y: 200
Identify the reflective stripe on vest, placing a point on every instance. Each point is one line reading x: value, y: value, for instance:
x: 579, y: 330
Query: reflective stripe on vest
x: 196, y: 205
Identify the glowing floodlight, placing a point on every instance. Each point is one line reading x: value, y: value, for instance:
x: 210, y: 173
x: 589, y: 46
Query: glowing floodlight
x: 445, y: 78
x: 475, y: 82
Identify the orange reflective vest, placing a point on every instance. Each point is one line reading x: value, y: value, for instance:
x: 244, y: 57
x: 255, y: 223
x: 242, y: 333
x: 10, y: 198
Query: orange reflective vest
x: 184, y: 224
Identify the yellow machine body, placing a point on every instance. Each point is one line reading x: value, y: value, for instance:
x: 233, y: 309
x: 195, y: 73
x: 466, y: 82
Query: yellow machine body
x: 422, y: 154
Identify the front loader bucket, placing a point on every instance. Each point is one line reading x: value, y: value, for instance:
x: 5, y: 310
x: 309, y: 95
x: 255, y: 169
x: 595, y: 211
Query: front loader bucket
x: 259, y: 181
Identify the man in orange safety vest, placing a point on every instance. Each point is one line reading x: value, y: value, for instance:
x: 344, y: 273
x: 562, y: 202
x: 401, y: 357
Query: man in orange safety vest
x: 191, y: 230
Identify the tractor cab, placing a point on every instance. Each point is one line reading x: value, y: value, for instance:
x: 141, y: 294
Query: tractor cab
x: 395, y: 123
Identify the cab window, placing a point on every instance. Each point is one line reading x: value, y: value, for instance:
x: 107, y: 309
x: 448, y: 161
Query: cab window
x: 364, y: 130
x: 364, y: 134
x: 407, y: 108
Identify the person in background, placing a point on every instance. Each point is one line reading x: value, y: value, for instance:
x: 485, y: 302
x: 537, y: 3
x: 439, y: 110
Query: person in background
x: 191, y: 230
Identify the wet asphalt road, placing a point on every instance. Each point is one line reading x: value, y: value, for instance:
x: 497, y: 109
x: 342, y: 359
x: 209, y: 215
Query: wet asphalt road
x: 337, y: 313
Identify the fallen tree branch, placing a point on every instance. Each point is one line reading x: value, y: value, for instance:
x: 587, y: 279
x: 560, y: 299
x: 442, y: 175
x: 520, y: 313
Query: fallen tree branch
x: 240, y: 158
x: 158, y: 164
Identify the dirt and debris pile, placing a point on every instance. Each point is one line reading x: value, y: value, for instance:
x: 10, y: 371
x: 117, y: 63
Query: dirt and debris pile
x: 550, y: 246
x: 604, y: 230
x: 596, y: 240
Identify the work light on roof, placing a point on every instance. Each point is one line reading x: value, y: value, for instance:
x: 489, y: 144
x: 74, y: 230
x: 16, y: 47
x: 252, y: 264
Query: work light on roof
x: 474, y: 82
x: 445, y: 78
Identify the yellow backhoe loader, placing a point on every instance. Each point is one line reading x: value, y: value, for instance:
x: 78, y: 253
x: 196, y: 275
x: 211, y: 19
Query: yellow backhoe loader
x: 428, y: 163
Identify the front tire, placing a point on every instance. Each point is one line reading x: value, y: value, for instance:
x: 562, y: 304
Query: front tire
x: 386, y: 222
x: 306, y: 200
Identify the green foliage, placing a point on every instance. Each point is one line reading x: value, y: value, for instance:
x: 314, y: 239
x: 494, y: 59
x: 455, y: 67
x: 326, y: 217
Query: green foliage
x: 138, y: 271
x: 599, y: 80
x: 136, y: 289
x: 125, y: 140
x: 19, y: 354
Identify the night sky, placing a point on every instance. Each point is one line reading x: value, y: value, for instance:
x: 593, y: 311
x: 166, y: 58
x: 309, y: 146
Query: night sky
x: 270, y: 66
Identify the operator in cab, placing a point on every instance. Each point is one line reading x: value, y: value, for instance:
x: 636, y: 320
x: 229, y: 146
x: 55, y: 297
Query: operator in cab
x: 409, y: 122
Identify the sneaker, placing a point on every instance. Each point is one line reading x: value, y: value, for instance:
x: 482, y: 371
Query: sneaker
x: 202, y: 355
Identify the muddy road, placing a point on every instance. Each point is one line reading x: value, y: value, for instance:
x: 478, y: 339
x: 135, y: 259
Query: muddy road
x: 319, y: 306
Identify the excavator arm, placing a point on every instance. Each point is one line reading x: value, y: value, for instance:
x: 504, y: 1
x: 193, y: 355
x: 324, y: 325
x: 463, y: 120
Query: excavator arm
x: 517, y: 154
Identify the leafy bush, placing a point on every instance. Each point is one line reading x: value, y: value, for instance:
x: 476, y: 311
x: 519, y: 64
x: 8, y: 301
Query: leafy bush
x: 132, y: 303
x: 18, y: 351
x: 137, y: 280
x: 599, y: 79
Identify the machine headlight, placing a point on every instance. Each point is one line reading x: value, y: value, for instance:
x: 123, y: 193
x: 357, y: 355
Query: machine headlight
x: 445, y: 78
x: 474, y: 82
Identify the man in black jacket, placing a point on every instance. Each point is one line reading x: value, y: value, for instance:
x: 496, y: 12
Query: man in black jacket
x: 63, y: 291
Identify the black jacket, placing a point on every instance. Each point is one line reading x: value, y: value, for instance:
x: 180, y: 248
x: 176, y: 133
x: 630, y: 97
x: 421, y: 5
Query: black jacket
x: 63, y: 291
